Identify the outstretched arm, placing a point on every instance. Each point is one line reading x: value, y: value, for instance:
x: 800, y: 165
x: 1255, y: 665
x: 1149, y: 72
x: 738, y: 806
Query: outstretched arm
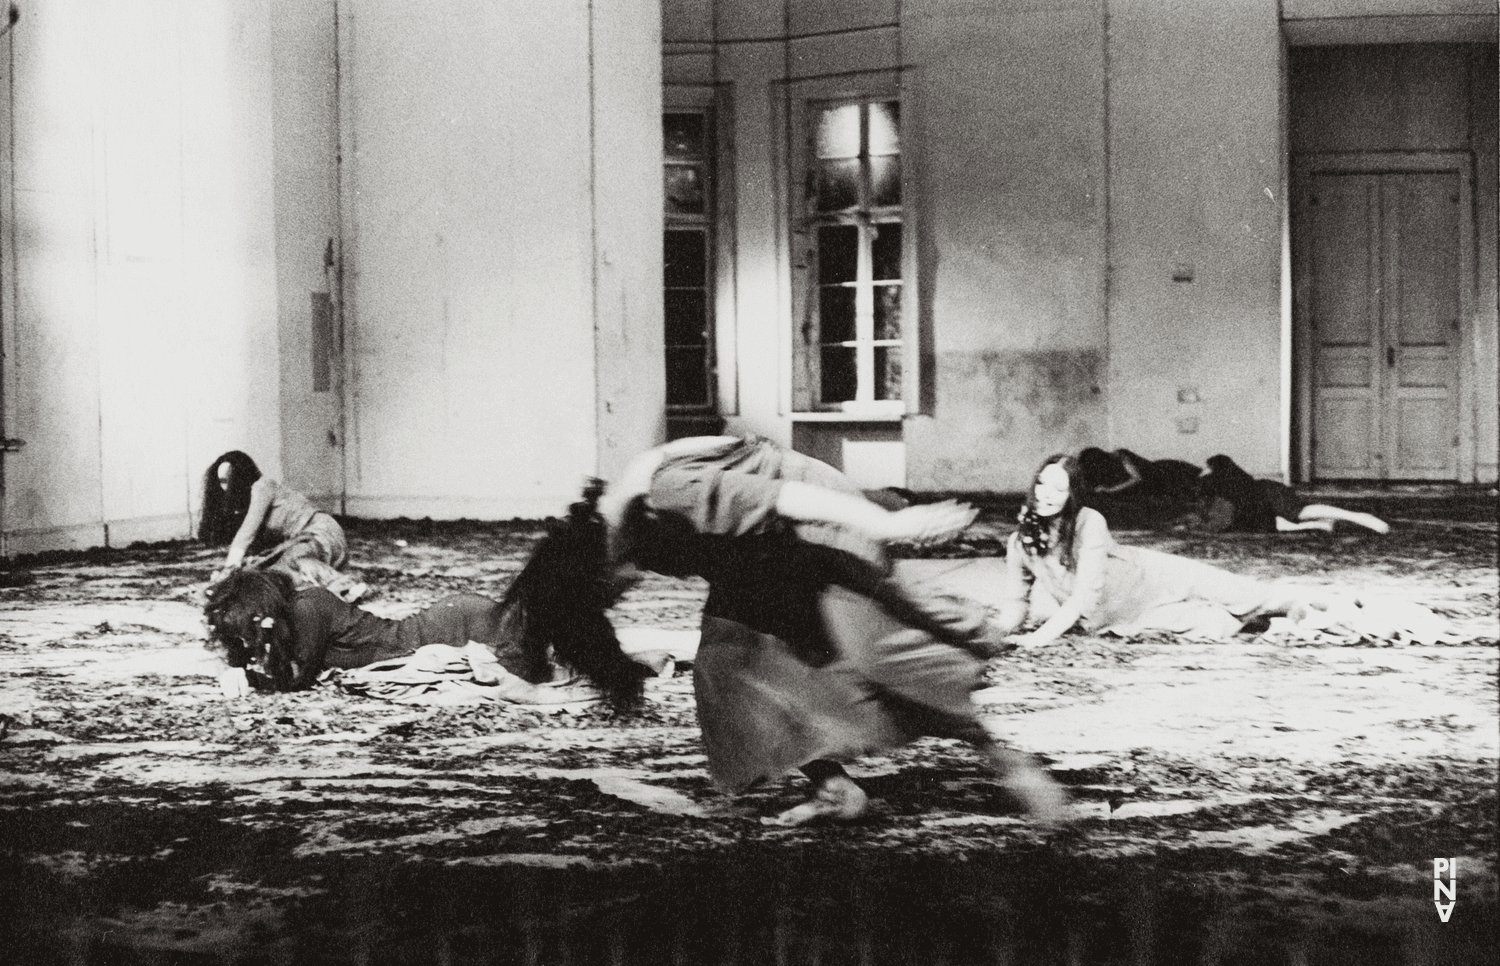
x: 260, y: 504
x: 920, y: 524
x: 1131, y: 470
x: 1091, y: 542
x: 1016, y: 594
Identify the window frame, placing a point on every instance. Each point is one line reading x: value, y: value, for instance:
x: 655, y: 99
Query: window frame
x: 712, y: 103
x: 801, y: 105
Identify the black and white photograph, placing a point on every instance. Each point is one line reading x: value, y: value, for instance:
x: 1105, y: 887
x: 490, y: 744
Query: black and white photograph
x: 787, y: 482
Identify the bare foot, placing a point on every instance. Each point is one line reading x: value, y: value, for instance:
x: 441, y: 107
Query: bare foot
x: 1040, y: 794
x: 837, y: 799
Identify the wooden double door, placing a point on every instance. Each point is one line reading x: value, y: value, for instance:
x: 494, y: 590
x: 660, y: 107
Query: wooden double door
x: 1380, y: 282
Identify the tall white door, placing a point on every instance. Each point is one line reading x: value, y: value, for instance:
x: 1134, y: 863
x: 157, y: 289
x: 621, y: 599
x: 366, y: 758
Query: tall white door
x: 1381, y: 306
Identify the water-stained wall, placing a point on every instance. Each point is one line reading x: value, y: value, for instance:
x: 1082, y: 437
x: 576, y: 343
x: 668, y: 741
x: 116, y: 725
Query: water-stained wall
x: 1012, y: 175
x: 1196, y: 207
x: 1097, y: 192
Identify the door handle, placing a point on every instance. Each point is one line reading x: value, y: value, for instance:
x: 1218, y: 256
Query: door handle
x: 1390, y: 356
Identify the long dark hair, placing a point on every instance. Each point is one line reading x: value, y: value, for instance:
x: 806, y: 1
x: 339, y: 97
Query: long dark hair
x: 1036, y: 530
x: 224, y: 510
x: 560, y: 598
x: 249, y: 619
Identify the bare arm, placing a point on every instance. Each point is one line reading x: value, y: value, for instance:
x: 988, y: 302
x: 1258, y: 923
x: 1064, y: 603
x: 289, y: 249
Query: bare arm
x: 1054, y: 627
x: 923, y: 523
x: 1131, y: 470
x: 260, y: 503
x: 1088, y: 583
x: 1016, y: 593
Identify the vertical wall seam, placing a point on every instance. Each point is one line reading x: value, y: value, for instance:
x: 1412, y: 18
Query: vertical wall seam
x: 336, y: 283
x: 600, y: 392
x: 182, y: 202
x: 1106, y: 192
x: 9, y: 355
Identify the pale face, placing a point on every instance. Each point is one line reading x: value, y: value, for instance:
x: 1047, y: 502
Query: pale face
x: 225, y: 471
x: 1051, y: 490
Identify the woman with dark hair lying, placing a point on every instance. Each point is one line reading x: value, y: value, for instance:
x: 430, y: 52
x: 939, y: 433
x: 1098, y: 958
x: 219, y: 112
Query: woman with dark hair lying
x: 1126, y: 475
x: 249, y: 511
x: 1235, y: 500
x: 1064, y: 548
x: 811, y: 653
x: 551, y: 621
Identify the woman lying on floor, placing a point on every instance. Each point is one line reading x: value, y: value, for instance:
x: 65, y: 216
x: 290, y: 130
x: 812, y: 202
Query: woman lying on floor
x: 1065, y: 549
x: 248, y: 511
x: 811, y: 653
x: 1219, y: 498
x: 278, y: 638
x: 1235, y: 500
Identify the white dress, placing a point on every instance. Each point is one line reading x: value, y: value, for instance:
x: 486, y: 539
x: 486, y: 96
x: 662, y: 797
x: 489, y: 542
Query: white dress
x: 1130, y: 590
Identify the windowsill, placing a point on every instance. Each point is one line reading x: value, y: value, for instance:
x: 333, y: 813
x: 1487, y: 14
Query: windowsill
x: 839, y: 416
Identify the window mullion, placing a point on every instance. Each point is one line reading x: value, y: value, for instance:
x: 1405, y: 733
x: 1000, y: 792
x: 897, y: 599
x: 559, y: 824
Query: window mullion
x: 864, y: 320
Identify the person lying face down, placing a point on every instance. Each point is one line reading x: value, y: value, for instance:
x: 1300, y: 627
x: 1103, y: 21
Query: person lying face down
x: 278, y: 638
x: 1129, y: 476
x: 1235, y: 500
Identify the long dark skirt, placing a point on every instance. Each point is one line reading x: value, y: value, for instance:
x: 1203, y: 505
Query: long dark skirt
x: 767, y: 706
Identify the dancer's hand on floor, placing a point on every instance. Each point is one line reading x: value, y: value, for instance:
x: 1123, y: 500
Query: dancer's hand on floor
x: 928, y: 523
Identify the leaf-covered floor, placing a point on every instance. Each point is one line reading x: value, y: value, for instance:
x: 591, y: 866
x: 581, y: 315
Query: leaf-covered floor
x: 1236, y: 803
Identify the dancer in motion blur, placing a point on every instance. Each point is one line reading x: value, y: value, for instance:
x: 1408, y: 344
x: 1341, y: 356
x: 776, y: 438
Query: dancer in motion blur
x: 811, y: 652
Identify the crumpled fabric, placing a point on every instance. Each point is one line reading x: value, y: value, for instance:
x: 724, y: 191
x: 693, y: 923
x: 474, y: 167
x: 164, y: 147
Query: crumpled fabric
x: 443, y: 675
x: 1378, y: 621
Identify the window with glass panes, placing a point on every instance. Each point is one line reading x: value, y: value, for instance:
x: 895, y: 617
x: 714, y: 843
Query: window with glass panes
x: 853, y: 222
x: 688, y: 261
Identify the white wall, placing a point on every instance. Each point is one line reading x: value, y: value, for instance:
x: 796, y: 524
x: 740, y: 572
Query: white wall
x: 138, y: 267
x: 173, y: 189
x: 1195, y: 182
x: 1013, y: 179
x: 305, y: 133
x: 630, y: 344
x: 502, y: 226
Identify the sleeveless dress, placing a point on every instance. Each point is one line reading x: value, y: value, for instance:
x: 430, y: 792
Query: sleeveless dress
x: 311, y: 547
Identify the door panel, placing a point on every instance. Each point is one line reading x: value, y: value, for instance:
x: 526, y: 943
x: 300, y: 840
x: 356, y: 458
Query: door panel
x: 1420, y: 247
x: 1382, y: 306
x: 1347, y: 437
x: 1344, y: 233
x: 1423, y: 435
